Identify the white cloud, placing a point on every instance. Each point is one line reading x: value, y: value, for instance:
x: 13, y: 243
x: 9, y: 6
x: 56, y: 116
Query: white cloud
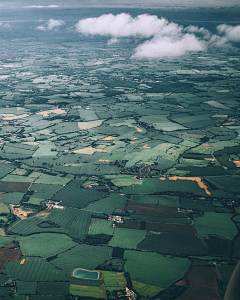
x: 42, y: 6
x: 51, y: 24
x: 5, y: 25
x: 164, y: 38
x: 162, y: 46
x: 124, y: 25
x: 231, y: 33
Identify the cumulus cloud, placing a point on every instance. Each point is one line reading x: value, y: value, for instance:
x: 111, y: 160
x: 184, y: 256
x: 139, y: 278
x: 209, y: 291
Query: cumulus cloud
x: 231, y: 33
x: 42, y: 6
x: 4, y: 25
x: 161, y: 46
x: 164, y: 38
x: 51, y: 24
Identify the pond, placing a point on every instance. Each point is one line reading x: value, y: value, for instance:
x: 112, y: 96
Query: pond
x: 85, y: 274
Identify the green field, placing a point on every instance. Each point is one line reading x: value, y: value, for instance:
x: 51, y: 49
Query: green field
x: 155, y: 269
x: 127, y: 238
x: 38, y: 244
x: 99, y: 226
x: 114, y: 280
x: 216, y: 223
x: 146, y: 290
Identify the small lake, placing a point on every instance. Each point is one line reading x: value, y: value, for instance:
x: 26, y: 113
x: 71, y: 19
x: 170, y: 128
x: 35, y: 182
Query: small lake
x: 84, y: 274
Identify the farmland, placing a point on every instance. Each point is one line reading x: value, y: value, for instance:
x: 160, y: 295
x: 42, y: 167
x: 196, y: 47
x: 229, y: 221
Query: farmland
x: 114, y: 160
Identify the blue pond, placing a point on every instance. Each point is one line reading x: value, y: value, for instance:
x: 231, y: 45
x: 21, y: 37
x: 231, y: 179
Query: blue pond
x: 84, y: 274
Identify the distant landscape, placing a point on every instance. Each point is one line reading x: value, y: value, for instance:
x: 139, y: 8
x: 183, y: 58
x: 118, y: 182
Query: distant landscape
x: 119, y: 175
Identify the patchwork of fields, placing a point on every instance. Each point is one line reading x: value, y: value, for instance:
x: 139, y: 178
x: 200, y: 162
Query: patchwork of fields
x: 123, y: 166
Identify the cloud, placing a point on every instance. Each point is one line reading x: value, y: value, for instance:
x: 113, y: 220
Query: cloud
x: 51, y: 24
x: 4, y: 25
x: 161, y: 46
x: 230, y: 33
x: 124, y: 25
x: 164, y: 38
x: 42, y: 6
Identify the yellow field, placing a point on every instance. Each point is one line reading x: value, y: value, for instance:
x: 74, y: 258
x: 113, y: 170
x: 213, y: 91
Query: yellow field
x: 88, y: 291
x: 114, y: 281
x: 89, y: 125
x: 146, y: 290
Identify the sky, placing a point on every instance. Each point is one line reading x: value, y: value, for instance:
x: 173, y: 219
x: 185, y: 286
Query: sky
x: 135, y: 3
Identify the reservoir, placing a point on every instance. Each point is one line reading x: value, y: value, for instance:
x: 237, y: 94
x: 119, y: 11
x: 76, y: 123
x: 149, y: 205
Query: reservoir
x: 85, y: 274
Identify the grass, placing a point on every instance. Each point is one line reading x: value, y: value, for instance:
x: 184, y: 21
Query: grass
x: 114, y: 280
x: 127, y: 238
x: 38, y: 244
x: 48, y: 179
x: 216, y: 223
x: 146, y: 290
x: 155, y: 269
x: 124, y: 180
x: 99, y: 226
x: 4, y: 209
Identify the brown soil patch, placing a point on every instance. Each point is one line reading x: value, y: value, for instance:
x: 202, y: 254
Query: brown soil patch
x: 109, y: 138
x: 138, y: 129
x: 22, y: 261
x: 9, y: 246
x: 18, y: 211
x: 145, y: 147
x: 181, y: 283
x: 20, y: 187
x: 207, y: 145
x: 197, y: 179
x: 237, y: 163
x: 130, y: 224
x: 166, y: 227
x: 6, y: 255
x: 104, y: 160
x: 203, y: 283
x: 154, y: 210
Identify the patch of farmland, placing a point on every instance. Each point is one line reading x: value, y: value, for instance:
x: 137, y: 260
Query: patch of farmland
x: 99, y: 226
x: 155, y: 269
x: 74, y: 196
x: 13, y: 198
x: 7, y: 255
x: 127, y: 238
x: 21, y: 187
x: 89, y: 125
x: 4, y: 240
x: 4, y: 208
x: 107, y: 205
x: 44, y: 191
x: 26, y: 287
x: 130, y: 224
x: 33, y: 225
x: 75, y: 221
x: 82, y: 256
x: 164, y: 200
x: 53, y: 288
x: 86, y: 291
x: 49, y: 179
x: 196, y: 204
x: 114, y: 281
x: 47, y: 297
x: 168, y: 227
x: 6, y: 168
x: 34, y: 269
x: 218, y: 246
x: 215, y: 224
x: 154, y: 210
x: 187, y: 244
x: 124, y: 180
x: 45, y: 148
x: 203, y: 283
x: 38, y: 244
x: 18, y: 178
x: 146, y: 290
